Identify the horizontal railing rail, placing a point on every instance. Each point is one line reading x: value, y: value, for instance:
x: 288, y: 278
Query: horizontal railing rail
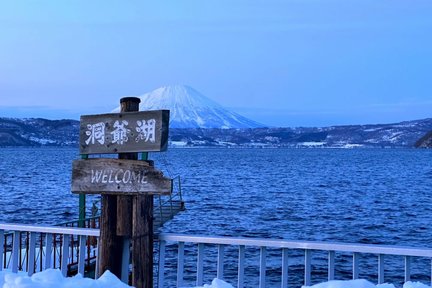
x: 50, y: 229
x: 263, y: 244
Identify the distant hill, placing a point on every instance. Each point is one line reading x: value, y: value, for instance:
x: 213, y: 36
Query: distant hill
x: 403, y: 134
x: 38, y: 132
x: 42, y: 132
x: 190, y: 109
x: 425, y: 141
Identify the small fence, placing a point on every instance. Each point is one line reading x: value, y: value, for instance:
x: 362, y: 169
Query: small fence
x: 309, y: 248
x: 35, y: 248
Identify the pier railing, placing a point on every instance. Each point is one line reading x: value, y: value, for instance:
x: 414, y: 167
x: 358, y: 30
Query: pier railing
x: 35, y: 248
x: 221, y: 244
x: 166, y: 207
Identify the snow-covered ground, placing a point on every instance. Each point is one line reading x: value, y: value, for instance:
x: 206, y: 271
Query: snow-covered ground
x: 51, y: 278
x: 360, y: 283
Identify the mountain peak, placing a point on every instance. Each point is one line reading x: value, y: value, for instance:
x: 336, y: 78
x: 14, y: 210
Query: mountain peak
x: 173, y: 95
x: 190, y: 109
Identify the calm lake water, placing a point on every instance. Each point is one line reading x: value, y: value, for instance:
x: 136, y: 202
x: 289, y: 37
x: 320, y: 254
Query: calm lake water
x: 360, y: 195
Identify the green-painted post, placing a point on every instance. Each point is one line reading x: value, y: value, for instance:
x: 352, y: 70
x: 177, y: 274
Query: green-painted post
x: 82, y: 204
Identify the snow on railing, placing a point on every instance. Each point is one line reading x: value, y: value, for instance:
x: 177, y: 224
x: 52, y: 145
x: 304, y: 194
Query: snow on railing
x: 45, y: 247
x: 222, y: 242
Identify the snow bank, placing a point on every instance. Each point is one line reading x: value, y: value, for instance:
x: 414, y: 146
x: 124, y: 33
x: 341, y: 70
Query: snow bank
x: 360, y: 283
x: 53, y: 278
x: 217, y: 283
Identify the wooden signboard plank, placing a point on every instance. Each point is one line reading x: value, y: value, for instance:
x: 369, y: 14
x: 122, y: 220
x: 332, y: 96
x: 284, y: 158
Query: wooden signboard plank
x: 117, y: 176
x: 145, y: 131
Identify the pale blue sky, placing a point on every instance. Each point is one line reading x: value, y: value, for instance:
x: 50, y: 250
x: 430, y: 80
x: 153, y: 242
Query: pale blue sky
x: 283, y: 63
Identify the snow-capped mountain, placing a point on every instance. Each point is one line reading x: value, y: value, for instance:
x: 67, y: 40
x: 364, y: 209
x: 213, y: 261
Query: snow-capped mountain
x: 190, y: 109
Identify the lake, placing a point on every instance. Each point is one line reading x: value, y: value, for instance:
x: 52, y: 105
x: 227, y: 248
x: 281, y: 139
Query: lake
x: 377, y: 196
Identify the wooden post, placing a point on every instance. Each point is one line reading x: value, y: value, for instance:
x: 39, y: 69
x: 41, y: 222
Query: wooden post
x: 110, y: 245
x: 116, y: 217
x: 138, y: 212
x: 125, y: 220
x: 124, y: 203
x: 142, y: 241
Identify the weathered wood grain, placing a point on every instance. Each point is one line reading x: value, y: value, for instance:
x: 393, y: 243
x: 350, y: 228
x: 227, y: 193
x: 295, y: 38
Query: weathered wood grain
x: 110, y: 245
x: 124, y: 202
x: 145, y: 131
x: 117, y: 176
x: 142, y: 241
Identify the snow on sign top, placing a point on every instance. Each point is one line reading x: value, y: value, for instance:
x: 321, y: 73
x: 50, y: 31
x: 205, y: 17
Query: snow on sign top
x: 126, y: 132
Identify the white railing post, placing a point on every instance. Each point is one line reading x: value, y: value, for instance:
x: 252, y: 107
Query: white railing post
x: 31, y: 255
x: 262, y: 267
x: 407, y: 269
x: 308, y: 267
x: 2, y: 241
x: 241, y: 264
x: 200, y: 265
x: 331, y: 265
x: 125, y: 260
x: 180, y: 264
x: 15, y: 250
x: 97, y: 262
x: 65, y: 254
x: 284, y: 280
x: 356, y: 261
x: 380, y: 269
x: 48, y: 250
x: 220, y: 262
x: 82, y: 254
x: 161, y: 270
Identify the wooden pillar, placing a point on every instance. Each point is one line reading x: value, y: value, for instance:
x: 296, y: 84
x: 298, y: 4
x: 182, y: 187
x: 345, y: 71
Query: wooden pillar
x: 116, y: 216
x: 110, y: 245
x: 125, y: 220
x: 124, y: 203
x: 142, y: 241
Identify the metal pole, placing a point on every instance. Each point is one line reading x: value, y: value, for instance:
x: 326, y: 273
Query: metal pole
x: 82, y: 204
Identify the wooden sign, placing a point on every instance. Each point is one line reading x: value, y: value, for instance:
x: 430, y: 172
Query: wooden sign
x: 117, y: 176
x: 125, y: 132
